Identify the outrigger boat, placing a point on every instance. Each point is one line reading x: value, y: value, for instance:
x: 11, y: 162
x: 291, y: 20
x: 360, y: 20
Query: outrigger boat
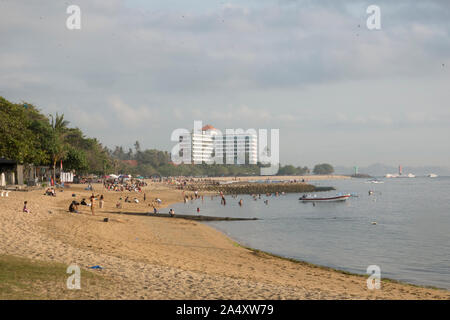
x: 310, y: 198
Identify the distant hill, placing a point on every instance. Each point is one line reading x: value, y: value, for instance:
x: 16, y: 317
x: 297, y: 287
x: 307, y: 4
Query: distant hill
x: 379, y: 169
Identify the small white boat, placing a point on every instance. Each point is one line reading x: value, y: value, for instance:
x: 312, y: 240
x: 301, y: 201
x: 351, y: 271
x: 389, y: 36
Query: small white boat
x: 432, y: 175
x: 375, y: 181
x: 409, y: 175
x: 310, y: 198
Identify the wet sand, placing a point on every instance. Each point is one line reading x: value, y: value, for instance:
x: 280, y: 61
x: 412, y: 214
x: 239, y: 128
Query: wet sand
x: 161, y: 258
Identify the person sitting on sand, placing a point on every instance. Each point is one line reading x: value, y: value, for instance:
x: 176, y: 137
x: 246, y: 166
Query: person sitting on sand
x: 50, y: 192
x: 83, y: 202
x: 25, y: 209
x: 73, y: 207
x: 136, y: 200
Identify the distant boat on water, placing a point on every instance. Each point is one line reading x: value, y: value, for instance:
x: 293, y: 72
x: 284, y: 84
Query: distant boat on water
x: 409, y: 175
x: 432, y: 175
x: 400, y: 174
x: 374, y: 181
x: 311, y: 198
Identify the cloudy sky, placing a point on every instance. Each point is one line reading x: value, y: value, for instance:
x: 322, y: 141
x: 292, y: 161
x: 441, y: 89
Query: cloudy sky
x: 338, y: 92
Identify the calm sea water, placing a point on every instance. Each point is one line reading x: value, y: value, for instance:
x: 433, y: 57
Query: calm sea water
x: 410, y: 242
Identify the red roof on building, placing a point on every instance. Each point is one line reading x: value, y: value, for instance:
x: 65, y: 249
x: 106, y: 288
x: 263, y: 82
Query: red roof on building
x: 208, y: 127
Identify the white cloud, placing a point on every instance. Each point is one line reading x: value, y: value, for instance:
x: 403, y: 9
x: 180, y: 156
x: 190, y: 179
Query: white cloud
x: 129, y: 115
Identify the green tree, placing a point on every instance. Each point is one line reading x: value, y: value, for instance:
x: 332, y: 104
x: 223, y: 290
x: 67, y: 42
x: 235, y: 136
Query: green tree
x: 323, y: 168
x: 17, y: 140
x: 76, y: 160
x: 287, y: 170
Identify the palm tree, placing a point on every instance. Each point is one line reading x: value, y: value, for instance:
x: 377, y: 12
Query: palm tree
x: 59, y: 129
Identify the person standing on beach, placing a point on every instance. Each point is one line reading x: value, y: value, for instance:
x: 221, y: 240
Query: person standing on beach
x: 93, y: 205
x: 102, y: 202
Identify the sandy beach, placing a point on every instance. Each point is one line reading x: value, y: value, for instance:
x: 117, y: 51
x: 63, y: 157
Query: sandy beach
x: 148, y: 257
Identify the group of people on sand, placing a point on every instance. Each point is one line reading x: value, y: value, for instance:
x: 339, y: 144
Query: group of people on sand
x: 48, y: 192
x: 154, y: 203
x: 134, y: 185
x: 73, y: 207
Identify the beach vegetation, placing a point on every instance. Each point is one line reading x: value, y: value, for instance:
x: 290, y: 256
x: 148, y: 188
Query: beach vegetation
x: 27, y: 279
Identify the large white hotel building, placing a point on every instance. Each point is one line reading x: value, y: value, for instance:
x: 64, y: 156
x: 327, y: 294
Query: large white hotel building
x: 212, y: 146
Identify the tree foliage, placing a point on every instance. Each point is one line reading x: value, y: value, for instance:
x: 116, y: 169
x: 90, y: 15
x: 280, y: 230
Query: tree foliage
x: 323, y: 168
x: 18, y: 140
x: 28, y: 136
x: 290, y: 170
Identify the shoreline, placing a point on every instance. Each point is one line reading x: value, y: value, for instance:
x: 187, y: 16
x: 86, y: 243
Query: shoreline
x: 294, y: 260
x: 204, y: 219
x: 326, y: 268
x: 162, y: 258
